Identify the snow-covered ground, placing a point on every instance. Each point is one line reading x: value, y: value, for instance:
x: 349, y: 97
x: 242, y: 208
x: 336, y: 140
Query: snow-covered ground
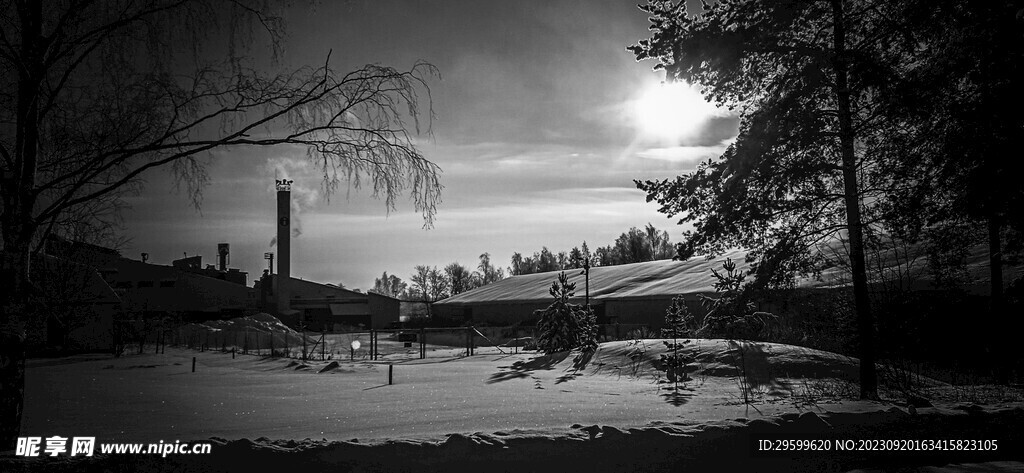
x: 490, y: 401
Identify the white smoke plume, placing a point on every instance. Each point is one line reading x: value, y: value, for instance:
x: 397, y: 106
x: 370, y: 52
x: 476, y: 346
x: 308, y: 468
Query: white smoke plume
x: 304, y: 196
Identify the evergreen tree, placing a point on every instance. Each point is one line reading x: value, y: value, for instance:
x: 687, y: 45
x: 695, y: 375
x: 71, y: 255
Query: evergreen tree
x: 563, y: 325
x: 679, y: 321
x: 575, y: 258
x: 962, y: 103
x: 678, y: 324
x: 806, y: 78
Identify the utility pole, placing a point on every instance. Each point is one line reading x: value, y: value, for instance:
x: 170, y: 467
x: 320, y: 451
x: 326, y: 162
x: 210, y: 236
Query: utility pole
x: 586, y: 275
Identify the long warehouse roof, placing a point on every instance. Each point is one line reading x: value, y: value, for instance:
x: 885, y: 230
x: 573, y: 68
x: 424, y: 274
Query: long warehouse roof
x: 636, y: 280
x: 667, y: 278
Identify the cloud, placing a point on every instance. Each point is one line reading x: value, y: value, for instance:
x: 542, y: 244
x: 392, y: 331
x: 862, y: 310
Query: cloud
x: 685, y: 154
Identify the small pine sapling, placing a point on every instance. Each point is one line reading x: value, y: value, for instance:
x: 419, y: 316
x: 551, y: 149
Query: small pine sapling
x: 561, y: 324
x: 678, y: 324
x: 587, y: 341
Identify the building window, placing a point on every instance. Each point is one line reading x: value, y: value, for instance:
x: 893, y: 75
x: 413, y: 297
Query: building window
x: 145, y: 284
x: 166, y: 283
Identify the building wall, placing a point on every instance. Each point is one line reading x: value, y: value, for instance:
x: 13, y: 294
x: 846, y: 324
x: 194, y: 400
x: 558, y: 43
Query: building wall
x: 647, y: 311
x: 352, y: 309
x: 161, y: 289
x: 490, y: 314
x: 385, y: 310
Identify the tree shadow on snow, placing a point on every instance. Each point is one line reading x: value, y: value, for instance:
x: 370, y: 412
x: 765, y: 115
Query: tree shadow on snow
x: 754, y: 373
x: 566, y: 377
x: 522, y: 369
x: 678, y: 397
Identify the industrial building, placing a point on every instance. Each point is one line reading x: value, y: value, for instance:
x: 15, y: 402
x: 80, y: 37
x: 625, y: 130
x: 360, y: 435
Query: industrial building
x: 637, y: 293
x: 309, y: 305
x: 640, y: 293
x: 326, y: 307
x: 184, y: 289
x: 92, y: 288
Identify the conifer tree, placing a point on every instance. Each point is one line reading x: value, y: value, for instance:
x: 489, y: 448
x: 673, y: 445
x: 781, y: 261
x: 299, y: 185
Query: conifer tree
x: 563, y: 325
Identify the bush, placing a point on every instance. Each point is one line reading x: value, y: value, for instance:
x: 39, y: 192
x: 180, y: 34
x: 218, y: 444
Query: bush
x: 641, y: 333
x: 731, y: 315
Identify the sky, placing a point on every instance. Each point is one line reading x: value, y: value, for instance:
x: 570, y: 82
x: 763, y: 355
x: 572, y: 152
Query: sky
x: 543, y: 121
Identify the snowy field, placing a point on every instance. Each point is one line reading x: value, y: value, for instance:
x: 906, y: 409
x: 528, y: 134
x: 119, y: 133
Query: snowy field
x: 488, y: 401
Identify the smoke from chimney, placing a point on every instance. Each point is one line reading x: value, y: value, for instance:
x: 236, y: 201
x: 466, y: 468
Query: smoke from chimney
x: 284, y: 227
x: 302, y: 198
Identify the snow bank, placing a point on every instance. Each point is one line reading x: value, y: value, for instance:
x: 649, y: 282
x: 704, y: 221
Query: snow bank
x: 252, y: 332
x: 725, y: 358
x: 727, y: 445
x: 261, y: 322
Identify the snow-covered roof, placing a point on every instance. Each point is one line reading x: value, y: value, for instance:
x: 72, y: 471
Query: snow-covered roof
x: 667, y: 278
x: 663, y: 278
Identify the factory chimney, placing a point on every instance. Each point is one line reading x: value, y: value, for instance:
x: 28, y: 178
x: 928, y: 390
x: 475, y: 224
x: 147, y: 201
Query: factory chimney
x: 284, y: 227
x: 223, y: 252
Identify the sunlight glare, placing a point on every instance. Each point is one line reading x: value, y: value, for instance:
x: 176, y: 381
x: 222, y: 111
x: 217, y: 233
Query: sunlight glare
x: 671, y: 111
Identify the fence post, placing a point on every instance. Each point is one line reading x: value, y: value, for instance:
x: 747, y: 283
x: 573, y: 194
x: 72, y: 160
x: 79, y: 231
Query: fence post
x: 423, y: 343
x: 271, y: 343
x: 323, y: 345
x: 391, y: 374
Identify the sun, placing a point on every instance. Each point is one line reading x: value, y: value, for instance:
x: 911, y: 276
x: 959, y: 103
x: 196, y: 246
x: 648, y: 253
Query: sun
x: 671, y: 111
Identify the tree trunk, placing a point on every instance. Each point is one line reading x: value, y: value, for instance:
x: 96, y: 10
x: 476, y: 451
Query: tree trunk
x: 16, y: 310
x: 851, y: 191
x: 995, y: 260
x: 12, y: 387
x: 18, y: 226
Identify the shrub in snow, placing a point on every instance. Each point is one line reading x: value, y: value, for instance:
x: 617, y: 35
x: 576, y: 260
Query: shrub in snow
x: 731, y: 315
x: 564, y: 326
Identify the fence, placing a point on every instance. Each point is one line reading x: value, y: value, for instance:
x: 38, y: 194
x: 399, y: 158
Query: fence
x: 374, y: 345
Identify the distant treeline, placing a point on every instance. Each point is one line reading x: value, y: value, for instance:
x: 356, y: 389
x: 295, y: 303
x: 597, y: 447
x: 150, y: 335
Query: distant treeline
x: 429, y: 283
